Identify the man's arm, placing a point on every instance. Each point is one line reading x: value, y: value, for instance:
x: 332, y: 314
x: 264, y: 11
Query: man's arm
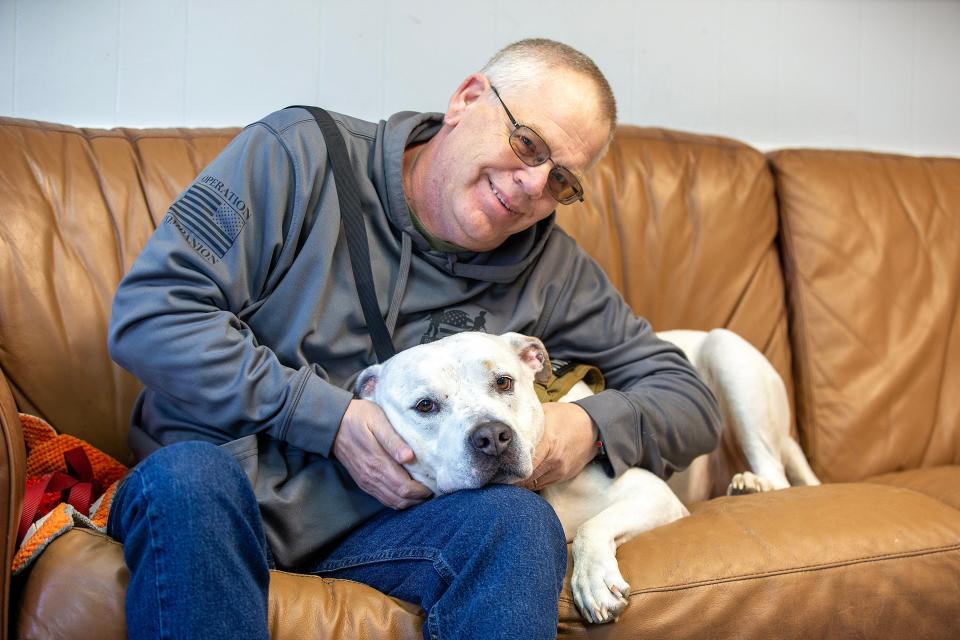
x: 656, y: 411
x: 176, y: 321
x: 177, y: 325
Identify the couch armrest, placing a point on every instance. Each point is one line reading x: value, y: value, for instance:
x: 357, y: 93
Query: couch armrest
x: 12, y: 476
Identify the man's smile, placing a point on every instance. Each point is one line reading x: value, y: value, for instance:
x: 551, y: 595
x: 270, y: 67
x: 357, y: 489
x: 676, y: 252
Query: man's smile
x: 502, y: 199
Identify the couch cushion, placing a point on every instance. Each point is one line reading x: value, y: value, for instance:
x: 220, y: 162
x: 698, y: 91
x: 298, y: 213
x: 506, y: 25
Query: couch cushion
x: 871, y: 254
x: 857, y: 560
x: 76, y: 590
x: 835, y: 561
x: 942, y: 483
x: 76, y: 207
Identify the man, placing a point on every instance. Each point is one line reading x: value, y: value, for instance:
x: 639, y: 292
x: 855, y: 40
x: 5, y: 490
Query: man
x: 242, y: 319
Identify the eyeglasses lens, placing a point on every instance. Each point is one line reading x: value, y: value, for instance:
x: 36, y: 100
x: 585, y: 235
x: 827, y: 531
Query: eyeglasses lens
x: 533, y: 151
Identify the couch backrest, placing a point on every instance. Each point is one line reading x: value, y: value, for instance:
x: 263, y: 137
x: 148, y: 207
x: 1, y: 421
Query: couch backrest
x: 685, y: 226
x: 76, y: 207
x: 872, y: 254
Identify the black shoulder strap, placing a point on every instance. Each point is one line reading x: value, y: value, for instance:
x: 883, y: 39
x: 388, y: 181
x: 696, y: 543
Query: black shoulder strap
x: 351, y: 215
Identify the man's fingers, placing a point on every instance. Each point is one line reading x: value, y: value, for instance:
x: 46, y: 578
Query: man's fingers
x: 402, y: 453
x: 391, y: 441
x: 548, y: 473
x: 391, y: 484
x: 543, y: 465
x: 371, y: 450
x: 411, y: 494
x: 397, y: 482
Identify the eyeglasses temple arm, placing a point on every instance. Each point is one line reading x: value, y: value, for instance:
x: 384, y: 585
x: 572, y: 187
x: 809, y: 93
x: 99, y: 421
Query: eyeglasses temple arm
x: 509, y: 115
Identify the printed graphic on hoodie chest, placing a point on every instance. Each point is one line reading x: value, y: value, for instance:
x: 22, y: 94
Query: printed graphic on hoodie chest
x: 445, y: 322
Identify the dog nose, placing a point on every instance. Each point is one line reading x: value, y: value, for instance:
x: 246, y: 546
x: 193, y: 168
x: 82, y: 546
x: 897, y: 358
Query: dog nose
x: 491, y: 438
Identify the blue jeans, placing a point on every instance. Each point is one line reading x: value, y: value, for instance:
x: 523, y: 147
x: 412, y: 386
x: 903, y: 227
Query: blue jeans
x: 486, y: 563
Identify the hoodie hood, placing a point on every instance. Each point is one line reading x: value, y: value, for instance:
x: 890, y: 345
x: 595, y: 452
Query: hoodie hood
x: 503, y: 264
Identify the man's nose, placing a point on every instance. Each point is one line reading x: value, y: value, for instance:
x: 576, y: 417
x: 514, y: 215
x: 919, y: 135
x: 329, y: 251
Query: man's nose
x: 533, y: 180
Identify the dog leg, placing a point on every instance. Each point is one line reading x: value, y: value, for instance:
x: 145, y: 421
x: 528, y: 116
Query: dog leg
x: 638, y: 501
x: 798, y: 469
x: 753, y: 400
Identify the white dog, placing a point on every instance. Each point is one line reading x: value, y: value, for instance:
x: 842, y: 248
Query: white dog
x: 466, y: 405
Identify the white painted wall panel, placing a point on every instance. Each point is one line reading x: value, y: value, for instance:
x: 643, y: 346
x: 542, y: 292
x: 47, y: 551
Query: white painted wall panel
x: 152, y: 56
x: 936, y: 90
x: 819, y: 73
x: 8, y: 42
x: 749, y: 65
x: 886, y: 75
x: 246, y: 58
x: 871, y: 74
x: 352, y: 58
x: 677, y: 74
x: 66, y: 60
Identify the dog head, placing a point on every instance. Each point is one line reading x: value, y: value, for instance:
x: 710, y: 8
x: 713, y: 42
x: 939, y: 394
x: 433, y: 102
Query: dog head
x: 466, y: 405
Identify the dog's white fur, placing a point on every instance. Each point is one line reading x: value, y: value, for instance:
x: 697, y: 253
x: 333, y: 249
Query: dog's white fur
x: 445, y: 397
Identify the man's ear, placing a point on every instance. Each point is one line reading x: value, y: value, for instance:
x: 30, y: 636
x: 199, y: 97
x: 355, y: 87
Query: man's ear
x: 533, y: 354
x: 367, y: 382
x: 470, y: 90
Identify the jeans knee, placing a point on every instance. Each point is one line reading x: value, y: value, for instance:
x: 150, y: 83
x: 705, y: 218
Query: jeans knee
x: 523, y: 531
x: 192, y: 476
x: 520, y: 516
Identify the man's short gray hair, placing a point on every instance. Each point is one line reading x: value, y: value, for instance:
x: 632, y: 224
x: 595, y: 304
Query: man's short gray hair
x: 525, y: 61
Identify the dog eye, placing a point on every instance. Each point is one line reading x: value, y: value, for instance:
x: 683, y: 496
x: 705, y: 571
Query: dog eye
x: 504, y: 384
x: 426, y: 405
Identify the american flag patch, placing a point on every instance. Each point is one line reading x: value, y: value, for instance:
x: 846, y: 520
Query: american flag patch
x: 213, y: 214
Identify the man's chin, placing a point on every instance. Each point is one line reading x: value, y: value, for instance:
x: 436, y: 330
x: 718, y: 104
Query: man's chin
x: 482, y: 244
x: 484, y: 230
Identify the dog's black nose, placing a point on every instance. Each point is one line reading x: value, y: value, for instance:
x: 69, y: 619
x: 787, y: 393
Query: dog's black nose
x: 491, y: 438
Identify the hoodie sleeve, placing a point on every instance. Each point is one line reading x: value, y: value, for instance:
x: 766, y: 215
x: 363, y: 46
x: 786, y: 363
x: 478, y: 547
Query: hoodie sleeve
x: 177, y: 320
x: 656, y: 411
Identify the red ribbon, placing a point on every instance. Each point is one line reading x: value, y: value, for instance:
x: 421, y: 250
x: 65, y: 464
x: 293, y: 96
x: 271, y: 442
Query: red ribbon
x: 41, y: 495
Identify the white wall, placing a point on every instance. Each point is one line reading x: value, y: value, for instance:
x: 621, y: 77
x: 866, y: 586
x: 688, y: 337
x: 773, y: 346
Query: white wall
x: 872, y: 74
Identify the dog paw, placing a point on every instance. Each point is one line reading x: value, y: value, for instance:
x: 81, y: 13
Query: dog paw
x: 747, y: 482
x: 599, y: 591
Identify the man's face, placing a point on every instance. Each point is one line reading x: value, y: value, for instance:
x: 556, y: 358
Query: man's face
x: 481, y: 192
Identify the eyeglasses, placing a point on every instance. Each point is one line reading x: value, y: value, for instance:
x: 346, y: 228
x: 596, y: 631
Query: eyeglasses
x: 533, y: 151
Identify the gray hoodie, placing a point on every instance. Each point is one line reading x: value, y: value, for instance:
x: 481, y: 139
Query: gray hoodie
x: 242, y: 320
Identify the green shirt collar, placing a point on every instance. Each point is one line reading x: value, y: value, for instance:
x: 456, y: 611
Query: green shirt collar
x: 435, y: 243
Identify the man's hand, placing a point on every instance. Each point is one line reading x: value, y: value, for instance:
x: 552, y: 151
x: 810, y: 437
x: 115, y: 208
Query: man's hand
x: 372, y: 451
x: 568, y: 444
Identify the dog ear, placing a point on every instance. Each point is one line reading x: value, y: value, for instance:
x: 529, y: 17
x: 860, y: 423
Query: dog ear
x: 367, y: 382
x: 532, y: 352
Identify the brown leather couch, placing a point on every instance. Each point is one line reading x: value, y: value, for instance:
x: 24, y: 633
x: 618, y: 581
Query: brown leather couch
x: 843, y: 267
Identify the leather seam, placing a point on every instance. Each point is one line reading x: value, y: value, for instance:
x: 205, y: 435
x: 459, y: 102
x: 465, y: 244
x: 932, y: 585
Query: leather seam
x: 176, y: 133
x: 799, y: 569
x: 797, y: 332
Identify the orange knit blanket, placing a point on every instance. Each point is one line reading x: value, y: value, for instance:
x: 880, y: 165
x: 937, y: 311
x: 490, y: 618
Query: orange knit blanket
x: 70, y: 483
